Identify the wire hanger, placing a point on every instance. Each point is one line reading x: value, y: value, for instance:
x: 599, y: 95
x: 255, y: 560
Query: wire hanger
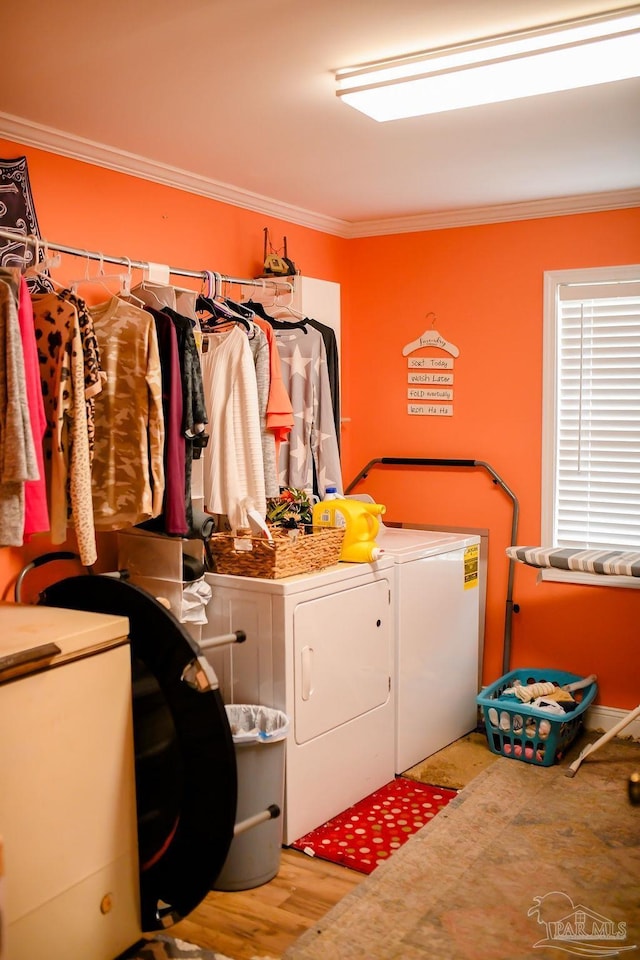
x: 431, y: 338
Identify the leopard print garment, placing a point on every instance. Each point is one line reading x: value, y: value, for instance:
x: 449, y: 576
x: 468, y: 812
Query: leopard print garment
x: 66, y: 440
x: 91, y: 356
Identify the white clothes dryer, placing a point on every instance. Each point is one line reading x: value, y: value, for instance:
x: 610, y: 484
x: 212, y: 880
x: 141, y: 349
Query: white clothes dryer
x: 320, y: 647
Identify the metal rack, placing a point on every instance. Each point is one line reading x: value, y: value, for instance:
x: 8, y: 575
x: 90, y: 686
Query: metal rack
x: 511, y: 608
x: 20, y: 239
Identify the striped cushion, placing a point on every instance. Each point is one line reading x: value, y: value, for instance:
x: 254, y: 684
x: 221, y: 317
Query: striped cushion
x: 613, y: 562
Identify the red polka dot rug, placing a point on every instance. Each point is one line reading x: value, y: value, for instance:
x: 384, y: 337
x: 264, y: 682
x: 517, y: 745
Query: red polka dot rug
x: 371, y: 830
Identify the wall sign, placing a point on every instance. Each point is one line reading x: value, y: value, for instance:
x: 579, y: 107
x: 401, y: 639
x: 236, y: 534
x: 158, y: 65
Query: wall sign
x: 431, y: 383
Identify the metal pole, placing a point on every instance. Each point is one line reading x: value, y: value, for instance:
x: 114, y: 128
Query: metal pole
x: 449, y: 462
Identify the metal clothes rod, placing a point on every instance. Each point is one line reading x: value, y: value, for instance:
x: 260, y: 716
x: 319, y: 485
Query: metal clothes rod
x: 436, y: 462
x: 22, y: 238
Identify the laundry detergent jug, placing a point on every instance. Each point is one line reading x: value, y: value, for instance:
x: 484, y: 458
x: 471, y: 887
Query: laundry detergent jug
x: 361, y: 524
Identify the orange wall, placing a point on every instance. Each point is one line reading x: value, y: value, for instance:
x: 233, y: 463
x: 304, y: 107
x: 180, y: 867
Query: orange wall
x: 485, y: 286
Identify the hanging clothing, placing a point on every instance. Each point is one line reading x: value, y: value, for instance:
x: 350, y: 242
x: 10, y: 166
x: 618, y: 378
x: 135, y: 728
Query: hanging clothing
x: 333, y: 368
x: 279, y: 413
x: 312, y: 443
x: 233, y: 465
x: 128, y: 468
x: 259, y: 346
x: 66, y: 442
x: 194, y: 412
x: 93, y: 379
x: 18, y: 461
x: 36, y: 511
x: 174, y: 511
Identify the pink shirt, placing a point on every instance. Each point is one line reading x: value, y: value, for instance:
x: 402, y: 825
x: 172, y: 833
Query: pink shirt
x: 36, y: 513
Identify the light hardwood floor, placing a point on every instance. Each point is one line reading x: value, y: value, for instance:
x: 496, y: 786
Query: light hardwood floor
x: 262, y: 922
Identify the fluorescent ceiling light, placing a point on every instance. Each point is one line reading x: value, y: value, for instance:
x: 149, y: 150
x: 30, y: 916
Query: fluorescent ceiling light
x: 577, y: 53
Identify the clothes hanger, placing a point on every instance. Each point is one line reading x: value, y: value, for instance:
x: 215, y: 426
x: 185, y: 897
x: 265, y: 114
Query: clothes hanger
x: 101, y: 278
x: 220, y: 314
x: 431, y: 338
x: 125, y: 288
x: 289, y: 307
x: 153, y: 294
x: 240, y: 308
x: 299, y: 322
x: 259, y: 310
x: 38, y: 269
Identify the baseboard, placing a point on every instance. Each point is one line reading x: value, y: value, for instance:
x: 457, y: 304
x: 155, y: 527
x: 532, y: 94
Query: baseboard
x: 604, y: 718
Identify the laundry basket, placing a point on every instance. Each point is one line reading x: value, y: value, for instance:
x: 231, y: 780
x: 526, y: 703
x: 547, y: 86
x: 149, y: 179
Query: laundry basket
x: 515, y: 729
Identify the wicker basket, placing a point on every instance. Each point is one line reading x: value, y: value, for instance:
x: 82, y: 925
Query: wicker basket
x: 312, y: 549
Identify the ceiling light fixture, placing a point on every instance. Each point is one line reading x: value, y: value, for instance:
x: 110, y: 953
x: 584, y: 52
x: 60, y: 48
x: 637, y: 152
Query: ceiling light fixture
x: 576, y: 53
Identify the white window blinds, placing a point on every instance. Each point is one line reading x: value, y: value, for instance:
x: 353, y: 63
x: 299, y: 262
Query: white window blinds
x: 596, y: 481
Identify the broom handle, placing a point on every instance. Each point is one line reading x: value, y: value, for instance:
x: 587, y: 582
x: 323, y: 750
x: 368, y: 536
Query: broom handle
x: 580, y: 684
x: 620, y: 725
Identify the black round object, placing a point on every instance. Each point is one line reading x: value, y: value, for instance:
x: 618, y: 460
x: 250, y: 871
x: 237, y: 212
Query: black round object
x: 185, y: 760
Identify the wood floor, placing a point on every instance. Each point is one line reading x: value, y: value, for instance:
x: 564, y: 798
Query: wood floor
x: 263, y: 922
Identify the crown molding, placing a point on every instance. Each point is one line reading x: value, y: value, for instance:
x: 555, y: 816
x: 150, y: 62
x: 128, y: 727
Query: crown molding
x: 78, y: 148
x: 89, y: 151
x: 499, y: 213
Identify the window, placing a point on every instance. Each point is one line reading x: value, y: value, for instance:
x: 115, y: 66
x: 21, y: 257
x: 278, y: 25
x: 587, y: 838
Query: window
x: 591, y: 409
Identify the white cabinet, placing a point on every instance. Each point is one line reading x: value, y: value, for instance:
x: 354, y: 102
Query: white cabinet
x: 67, y: 787
x: 320, y: 647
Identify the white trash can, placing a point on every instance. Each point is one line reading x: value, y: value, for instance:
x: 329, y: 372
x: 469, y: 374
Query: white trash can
x: 259, y: 735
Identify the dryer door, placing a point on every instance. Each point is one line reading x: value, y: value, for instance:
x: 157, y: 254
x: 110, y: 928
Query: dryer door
x: 342, y: 658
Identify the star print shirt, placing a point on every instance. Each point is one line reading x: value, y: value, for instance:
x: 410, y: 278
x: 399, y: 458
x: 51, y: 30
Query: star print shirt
x: 312, y: 441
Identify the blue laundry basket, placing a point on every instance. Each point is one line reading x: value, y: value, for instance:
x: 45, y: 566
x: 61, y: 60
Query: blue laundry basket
x: 513, y: 728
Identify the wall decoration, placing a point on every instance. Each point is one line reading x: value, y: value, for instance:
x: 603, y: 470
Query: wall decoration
x: 428, y: 377
x: 18, y: 216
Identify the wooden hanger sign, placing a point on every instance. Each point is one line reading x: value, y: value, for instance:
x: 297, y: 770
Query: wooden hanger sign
x: 434, y: 387
x: 431, y: 338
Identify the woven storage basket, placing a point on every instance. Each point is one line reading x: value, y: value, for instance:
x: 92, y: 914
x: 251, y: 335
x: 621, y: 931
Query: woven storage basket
x: 513, y: 728
x: 283, y: 556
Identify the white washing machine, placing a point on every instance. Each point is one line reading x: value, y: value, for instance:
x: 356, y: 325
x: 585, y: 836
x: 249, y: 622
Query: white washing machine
x: 436, y: 650
x: 320, y: 647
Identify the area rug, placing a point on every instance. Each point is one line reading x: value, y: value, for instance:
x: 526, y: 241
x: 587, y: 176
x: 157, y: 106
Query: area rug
x: 170, y: 948
x: 456, y: 765
x: 523, y: 862
x: 366, y: 834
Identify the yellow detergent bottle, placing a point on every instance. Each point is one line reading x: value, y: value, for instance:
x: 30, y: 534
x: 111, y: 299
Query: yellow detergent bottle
x: 360, y: 521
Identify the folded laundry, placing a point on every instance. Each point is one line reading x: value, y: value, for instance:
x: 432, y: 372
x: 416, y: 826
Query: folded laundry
x: 554, y: 706
x: 544, y: 703
x: 558, y: 693
x: 529, y: 691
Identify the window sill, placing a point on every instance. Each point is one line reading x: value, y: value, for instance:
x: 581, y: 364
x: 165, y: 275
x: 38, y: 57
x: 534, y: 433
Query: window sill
x: 589, y: 579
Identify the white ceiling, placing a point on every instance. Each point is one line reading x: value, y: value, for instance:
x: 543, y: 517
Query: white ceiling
x: 235, y: 98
